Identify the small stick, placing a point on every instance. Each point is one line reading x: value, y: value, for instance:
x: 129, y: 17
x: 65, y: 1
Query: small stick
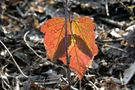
x: 13, y: 60
x: 112, y: 22
x: 125, y: 7
x: 24, y: 38
x: 4, y: 79
x: 111, y: 40
x: 116, y: 48
x: 110, y: 46
x: 15, y: 18
x: 94, y: 85
x: 66, y: 43
x: 106, y: 7
x: 20, y: 12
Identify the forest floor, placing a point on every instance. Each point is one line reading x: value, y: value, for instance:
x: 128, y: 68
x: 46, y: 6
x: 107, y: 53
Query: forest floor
x: 23, y: 61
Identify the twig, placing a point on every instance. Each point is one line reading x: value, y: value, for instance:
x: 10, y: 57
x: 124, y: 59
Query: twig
x: 106, y: 45
x: 125, y: 7
x: 80, y: 86
x: 17, y: 86
x: 106, y: 7
x: 94, y: 85
x: 4, y: 79
x: 23, y: 15
x: 66, y: 42
x: 24, y: 38
x: 15, y: 18
x: 13, y: 60
x: 111, y: 40
x: 66, y: 20
x: 121, y: 78
x: 6, y: 83
x: 112, y: 22
x: 115, y: 48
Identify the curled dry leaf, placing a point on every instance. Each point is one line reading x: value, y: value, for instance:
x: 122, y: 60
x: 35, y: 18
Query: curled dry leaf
x: 80, y: 40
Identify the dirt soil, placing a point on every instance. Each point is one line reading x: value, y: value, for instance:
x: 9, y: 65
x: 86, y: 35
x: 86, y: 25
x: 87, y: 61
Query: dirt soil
x: 24, y: 64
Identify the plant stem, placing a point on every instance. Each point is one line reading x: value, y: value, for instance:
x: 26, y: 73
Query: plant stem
x: 66, y: 41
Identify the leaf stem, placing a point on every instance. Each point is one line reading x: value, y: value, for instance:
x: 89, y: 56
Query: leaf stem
x: 66, y: 41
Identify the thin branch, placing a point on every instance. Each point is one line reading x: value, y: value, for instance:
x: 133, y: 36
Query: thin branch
x: 106, y: 7
x: 110, y: 46
x: 112, y: 22
x: 119, y: 49
x: 125, y: 7
x: 94, y: 85
x: 24, y: 38
x: 17, y: 19
x: 66, y: 42
x: 111, y: 40
x: 66, y: 36
x: 13, y: 60
x: 4, y: 79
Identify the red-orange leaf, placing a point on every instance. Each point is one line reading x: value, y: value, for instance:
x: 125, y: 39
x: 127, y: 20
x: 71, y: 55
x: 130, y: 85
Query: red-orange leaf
x: 81, y: 42
x: 84, y: 27
x: 54, y: 37
x: 79, y: 59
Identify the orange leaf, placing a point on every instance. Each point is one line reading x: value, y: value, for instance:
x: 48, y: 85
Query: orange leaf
x: 79, y: 59
x: 54, y: 37
x: 81, y: 42
x: 84, y: 27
